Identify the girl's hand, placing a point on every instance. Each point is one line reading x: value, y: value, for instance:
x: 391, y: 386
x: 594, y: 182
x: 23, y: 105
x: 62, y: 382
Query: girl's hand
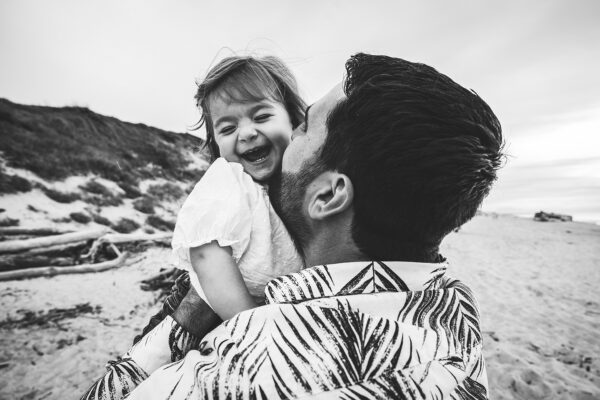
x: 221, y: 280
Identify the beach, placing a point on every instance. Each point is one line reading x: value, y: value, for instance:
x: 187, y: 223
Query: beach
x: 536, y: 283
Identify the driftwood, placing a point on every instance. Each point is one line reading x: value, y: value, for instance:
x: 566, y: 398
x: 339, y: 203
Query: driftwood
x: 116, y: 238
x: 13, y: 246
x: 120, y: 238
x: 16, y: 230
x: 57, y: 254
x: 61, y: 255
x: 59, y: 248
x: 163, y: 281
x: 11, y: 262
x: 75, y: 269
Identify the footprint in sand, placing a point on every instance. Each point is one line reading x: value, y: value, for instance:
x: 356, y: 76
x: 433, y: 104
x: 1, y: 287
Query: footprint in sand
x: 528, y: 384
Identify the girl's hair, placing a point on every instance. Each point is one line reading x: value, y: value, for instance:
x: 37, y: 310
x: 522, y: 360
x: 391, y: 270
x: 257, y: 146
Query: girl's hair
x: 244, y: 79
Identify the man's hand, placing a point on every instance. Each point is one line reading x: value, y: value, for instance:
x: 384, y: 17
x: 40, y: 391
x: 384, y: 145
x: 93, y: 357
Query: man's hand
x: 195, y: 316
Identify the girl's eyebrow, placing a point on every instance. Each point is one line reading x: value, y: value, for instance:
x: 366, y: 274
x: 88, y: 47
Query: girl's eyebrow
x: 223, y: 119
x: 255, y: 108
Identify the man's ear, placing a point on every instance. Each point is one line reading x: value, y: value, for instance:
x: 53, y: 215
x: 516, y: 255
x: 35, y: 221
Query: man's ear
x: 332, y: 193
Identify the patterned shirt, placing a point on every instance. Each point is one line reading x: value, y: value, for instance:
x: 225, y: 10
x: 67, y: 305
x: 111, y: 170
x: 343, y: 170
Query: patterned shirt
x: 361, y: 330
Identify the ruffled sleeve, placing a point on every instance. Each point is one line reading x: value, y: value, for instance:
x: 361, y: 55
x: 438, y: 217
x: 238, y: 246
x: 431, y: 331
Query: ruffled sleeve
x: 219, y: 208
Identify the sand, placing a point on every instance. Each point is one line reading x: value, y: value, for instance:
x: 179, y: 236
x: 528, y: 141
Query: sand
x: 537, y: 285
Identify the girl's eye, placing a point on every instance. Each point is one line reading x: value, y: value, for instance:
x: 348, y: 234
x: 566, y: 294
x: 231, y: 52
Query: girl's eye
x: 227, y: 130
x: 262, y: 117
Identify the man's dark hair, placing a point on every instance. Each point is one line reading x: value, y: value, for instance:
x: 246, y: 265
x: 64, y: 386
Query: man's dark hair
x: 421, y: 151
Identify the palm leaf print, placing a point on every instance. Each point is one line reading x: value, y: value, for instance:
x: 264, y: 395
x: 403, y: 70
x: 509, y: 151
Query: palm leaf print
x: 438, y: 279
x: 390, y: 281
x: 310, y: 283
x: 451, y: 309
x: 327, y: 348
x: 375, y: 277
x: 470, y: 389
x: 122, y: 377
x: 360, y: 283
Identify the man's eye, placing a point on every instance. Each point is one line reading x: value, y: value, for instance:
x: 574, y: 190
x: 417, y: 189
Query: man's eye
x: 262, y: 117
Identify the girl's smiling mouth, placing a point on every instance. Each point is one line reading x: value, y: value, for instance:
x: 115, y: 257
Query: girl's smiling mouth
x: 257, y: 154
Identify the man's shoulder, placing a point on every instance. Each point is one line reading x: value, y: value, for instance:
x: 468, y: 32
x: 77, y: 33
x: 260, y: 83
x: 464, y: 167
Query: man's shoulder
x: 390, y: 337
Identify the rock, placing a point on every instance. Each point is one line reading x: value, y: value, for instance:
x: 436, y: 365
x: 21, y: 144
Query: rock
x: 548, y: 216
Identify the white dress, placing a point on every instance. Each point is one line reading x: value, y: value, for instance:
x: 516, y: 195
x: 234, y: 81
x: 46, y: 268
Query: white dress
x: 226, y: 205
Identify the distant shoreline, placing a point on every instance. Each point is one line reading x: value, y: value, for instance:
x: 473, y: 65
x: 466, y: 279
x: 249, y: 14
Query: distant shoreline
x: 576, y: 219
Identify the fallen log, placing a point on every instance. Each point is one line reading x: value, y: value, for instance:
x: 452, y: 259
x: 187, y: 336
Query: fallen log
x: 119, y: 238
x: 10, y: 262
x: 115, y: 238
x: 75, y: 269
x: 59, y: 255
x: 13, y: 246
x: 58, y: 249
x: 17, y: 230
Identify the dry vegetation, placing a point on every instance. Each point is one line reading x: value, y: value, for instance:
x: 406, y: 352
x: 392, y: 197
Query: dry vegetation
x: 77, y: 141
x: 57, y: 143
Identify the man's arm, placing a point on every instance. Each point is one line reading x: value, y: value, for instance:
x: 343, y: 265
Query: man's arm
x: 168, y: 341
x: 195, y: 316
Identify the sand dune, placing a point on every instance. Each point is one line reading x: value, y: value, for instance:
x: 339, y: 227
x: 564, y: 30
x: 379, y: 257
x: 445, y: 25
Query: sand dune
x: 537, y: 284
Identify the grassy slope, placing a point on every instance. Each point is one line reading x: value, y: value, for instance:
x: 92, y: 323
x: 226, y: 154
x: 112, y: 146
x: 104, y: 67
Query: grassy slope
x: 55, y: 143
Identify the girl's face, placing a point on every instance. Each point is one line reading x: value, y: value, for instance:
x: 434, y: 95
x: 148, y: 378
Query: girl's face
x: 254, y: 134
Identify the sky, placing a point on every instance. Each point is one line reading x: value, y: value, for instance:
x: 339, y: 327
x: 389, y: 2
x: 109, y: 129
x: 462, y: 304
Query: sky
x: 535, y: 63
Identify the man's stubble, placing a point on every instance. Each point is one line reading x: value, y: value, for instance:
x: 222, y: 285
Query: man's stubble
x: 287, y: 192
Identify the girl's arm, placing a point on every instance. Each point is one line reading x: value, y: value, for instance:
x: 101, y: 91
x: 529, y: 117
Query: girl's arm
x: 221, y: 280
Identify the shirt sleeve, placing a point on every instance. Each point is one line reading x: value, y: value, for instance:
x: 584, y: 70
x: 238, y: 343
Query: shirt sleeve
x: 218, y: 208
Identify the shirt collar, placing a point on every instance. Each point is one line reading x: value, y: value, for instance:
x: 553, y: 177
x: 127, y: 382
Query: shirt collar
x: 354, y: 278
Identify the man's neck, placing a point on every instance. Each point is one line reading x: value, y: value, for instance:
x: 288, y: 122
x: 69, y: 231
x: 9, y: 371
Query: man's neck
x: 321, y: 252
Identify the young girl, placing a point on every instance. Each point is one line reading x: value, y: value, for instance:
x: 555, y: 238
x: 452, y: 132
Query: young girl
x: 227, y: 233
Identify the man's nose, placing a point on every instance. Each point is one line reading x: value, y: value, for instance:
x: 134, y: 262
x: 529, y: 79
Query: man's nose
x: 247, y: 132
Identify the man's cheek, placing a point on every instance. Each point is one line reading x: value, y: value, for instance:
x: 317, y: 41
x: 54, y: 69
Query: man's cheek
x: 287, y: 159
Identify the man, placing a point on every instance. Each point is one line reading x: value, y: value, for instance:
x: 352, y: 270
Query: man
x: 383, y: 168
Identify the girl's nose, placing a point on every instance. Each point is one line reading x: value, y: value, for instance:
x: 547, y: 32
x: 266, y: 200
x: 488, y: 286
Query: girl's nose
x: 247, y: 132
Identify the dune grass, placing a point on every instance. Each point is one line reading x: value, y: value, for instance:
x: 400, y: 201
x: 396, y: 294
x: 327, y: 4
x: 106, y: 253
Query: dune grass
x: 56, y: 143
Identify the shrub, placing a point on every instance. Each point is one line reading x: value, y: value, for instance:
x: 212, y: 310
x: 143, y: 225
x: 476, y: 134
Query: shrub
x: 80, y: 217
x: 96, y: 187
x: 144, y: 204
x: 131, y: 191
x: 191, y: 187
x: 13, y: 184
x: 61, y: 197
x: 103, y: 200
x: 62, y: 219
x: 125, y: 225
x: 159, y: 223
x: 166, y: 191
x: 193, y: 175
x: 9, y: 222
x: 99, y: 219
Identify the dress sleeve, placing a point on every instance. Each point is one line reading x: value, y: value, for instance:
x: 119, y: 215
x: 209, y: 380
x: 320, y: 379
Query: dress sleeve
x: 219, y: 208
